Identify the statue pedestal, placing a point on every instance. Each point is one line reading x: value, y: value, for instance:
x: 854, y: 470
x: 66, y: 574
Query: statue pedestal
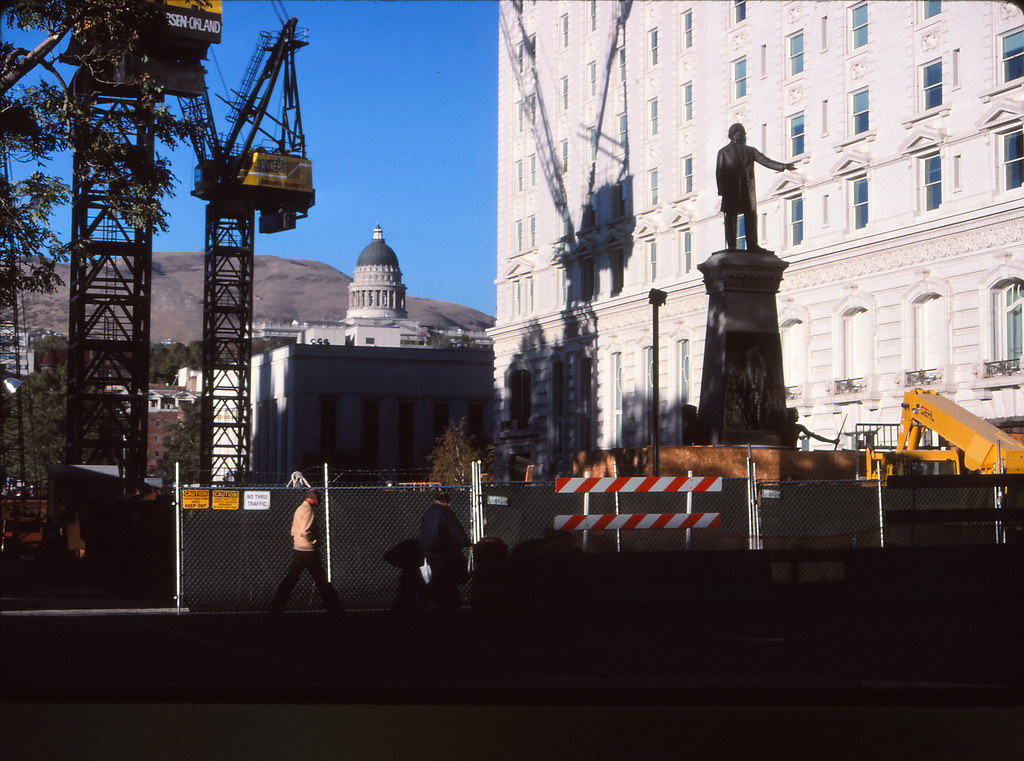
x: 743, y: 395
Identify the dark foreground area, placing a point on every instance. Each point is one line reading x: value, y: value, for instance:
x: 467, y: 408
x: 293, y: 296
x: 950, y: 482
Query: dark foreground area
x: 790, y: 652
x: 798, y: 678
x: 812, y: 672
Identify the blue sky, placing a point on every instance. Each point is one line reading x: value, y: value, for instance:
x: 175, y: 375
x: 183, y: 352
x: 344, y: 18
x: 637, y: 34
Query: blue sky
x: 399, y: 107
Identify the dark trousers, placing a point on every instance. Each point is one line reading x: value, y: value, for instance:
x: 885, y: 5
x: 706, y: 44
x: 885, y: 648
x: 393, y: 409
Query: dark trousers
x: 306, y: 561
x: 749, y: 229
x: 445, y: 577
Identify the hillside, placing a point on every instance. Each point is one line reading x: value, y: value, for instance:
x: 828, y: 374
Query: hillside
x: 285, y: 290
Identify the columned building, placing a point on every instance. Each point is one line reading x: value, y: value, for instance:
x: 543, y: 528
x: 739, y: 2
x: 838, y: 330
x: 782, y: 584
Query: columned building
x: 901, y: 224
x: 376, y: 291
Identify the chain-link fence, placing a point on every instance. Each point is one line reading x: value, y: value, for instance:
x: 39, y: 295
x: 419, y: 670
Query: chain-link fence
x: 819, y: 514
x: 233, y: 557
x: 235, y: 545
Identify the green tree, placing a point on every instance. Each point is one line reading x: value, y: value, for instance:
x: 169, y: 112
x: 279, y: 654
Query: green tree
x: 181, y: 446
x: 40, y: 347
x: 43, y: 408
x: 166, y: 360
x: 40, y: 116
x: 453, y: 453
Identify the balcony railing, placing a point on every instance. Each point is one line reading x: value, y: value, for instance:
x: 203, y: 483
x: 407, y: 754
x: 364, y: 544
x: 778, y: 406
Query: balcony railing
x: 876, y: 435
x: 849, y: 385
x: 923, y: 377
x: 1002, y: 367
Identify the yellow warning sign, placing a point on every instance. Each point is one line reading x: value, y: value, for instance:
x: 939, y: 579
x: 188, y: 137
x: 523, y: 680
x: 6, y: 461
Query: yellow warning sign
x: 195, y: 499
x: 226, y: 499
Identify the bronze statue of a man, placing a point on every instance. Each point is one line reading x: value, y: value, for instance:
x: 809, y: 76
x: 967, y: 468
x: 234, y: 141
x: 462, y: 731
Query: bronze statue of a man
x: 735, y: 175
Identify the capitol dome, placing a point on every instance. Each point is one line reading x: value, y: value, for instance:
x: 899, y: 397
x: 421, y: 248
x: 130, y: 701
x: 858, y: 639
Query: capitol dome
x: 378, y: 253
x: 376, y: 290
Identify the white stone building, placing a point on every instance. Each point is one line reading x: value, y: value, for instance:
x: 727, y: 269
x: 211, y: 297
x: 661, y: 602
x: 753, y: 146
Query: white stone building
x: 901, y: 225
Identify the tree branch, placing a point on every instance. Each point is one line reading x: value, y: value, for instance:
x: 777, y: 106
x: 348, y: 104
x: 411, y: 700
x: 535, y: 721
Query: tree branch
x: 30, y: 60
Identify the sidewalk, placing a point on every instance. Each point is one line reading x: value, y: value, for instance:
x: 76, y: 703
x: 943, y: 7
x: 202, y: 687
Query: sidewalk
x: 813, y: 675
x: 795, y: 653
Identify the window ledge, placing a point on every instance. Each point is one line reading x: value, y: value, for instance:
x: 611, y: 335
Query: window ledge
x: 685, y: 198
x: 1001, y: 89
x: 860, y: 137
x: 939, y: 111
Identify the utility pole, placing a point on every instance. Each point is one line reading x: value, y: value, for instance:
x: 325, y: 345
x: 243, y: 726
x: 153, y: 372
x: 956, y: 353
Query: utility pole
x: 657, y: 299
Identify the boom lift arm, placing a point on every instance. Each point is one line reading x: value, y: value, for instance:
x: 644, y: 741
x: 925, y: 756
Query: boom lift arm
x: 980, y: 446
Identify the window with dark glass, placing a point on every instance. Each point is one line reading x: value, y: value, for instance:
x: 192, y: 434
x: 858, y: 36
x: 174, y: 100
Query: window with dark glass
x: 931, y: 84
x: 1013, y: 56
x: 932, y: 166
x: 519, y: 394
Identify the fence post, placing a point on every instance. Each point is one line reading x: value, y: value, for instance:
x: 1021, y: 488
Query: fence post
x: 997, y: 497
x: 618, y: 532
x: 881, y: 511
x: 476, y: 501
x: 689, y: 509
x: 327, y: 520
x: 753, y: 530
x: 177, y: 537
x: 586, y: 512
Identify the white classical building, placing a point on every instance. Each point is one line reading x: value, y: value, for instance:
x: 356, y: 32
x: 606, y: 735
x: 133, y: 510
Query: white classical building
x: 902, y: 223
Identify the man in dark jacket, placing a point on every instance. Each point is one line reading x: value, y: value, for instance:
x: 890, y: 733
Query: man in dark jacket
x: 442, y: 540
x: 735, y: 175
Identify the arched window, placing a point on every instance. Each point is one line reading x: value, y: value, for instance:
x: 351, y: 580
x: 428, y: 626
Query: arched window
x: 1007, y: 301
x: 683, y: 370
x: 929, y: 324
x: 857, y: 339
x: 794, y: 352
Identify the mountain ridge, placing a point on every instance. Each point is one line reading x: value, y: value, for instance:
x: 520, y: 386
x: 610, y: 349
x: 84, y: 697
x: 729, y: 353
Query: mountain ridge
x: 283, y: 290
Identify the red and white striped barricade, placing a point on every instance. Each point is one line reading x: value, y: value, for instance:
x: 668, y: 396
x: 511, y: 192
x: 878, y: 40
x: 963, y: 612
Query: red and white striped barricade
x: 646, y: 484
x: 650, y: 484
x: 636, y: 521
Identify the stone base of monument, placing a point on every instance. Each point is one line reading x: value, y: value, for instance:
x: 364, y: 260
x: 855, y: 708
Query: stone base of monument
x: 773, y: 463
x: 743, y: 395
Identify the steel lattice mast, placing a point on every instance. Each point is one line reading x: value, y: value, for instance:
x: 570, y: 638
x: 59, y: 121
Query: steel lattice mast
x: 227, y: 341
x: 109, y: 311
x: 111, y: 255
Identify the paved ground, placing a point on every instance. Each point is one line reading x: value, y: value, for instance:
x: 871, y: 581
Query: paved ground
x: 847, y: 680
x: 795, y: 653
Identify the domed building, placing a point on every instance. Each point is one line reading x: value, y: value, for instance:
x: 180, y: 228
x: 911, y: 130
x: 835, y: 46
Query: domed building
x: 376, y: 291
x: 370, y: 392
x: 376, y: 314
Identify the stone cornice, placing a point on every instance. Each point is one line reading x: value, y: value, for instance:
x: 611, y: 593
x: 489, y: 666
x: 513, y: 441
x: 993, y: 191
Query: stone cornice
x: 961, y: 239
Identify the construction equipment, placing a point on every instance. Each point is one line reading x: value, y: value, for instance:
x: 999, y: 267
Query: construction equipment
x: 246, y: 170
x: 974, y: 444
x: 111, y: 262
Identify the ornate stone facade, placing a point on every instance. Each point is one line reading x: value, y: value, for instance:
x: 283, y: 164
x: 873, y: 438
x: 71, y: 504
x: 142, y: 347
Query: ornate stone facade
x: 901, y: 225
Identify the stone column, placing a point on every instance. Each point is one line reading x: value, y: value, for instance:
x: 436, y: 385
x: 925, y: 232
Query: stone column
x: 743, y: 395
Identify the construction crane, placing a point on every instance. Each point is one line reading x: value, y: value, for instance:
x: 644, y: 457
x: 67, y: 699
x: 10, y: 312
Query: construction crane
x: 259, y: 165
x: 111, y: 263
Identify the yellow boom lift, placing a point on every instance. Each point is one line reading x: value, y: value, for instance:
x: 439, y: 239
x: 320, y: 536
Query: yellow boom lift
x: 975, y: 444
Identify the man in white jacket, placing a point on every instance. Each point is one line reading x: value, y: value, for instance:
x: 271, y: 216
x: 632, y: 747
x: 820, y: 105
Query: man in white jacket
x: 306, y: 556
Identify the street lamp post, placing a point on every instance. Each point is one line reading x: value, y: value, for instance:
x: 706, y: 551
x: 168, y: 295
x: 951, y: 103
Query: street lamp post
x: 656, y: 298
